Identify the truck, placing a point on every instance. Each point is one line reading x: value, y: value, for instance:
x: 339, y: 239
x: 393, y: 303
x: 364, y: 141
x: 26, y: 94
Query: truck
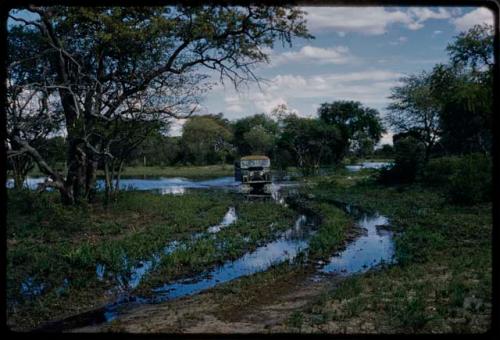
x: 254, y: 172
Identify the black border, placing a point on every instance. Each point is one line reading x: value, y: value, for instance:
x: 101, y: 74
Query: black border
x: 493, y: 5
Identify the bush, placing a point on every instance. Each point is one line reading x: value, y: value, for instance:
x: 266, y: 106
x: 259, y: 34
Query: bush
x: 438, y: 171
x: 472, y: 182
x: 408, y: 163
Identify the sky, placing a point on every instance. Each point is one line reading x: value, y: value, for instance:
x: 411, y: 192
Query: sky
x: 359, y: 53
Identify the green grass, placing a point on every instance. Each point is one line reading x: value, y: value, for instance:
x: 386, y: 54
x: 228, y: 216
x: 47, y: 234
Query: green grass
x: 191, y: 171
x: 195, y: 172
x: 49, y: 243
x: 444, y: 255
x: 331, y: 232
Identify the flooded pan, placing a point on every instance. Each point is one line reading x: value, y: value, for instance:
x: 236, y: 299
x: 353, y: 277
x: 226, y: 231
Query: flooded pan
x: 372, y: 248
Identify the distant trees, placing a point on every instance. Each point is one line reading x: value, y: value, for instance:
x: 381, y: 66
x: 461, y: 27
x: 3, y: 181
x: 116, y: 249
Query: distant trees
x: 260, y: 140
x: 309, y: 141
x: 107, y: 64
x: 255, y: 134
x: 206, y: 140
x: 360, y: 127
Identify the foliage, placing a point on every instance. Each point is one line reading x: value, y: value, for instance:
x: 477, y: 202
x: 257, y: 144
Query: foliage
x: 409, y: 161
x: 472, y: 181
x: 248, y: 142
x: 310, y: 142
x: 360, y: 127
x: 331, y: 232
x: 466, y: 109
x: 415, y: 109
x: 260, y: 140
x: 437, y: 171
x: 385, y: 151
x: 445, y: 250
x: 205, y: 140
x: 449, y: 108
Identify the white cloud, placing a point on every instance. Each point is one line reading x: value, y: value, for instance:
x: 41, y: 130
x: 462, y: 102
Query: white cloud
x: 176, y: 127
x: 333, y: 55
x: 369, y: 20
x: 371, y: 87
x: 233, y: 104
x: 480, y: 15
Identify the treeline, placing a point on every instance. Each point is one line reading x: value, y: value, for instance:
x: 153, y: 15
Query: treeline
x: 342, y: 128
x: 443, y: 120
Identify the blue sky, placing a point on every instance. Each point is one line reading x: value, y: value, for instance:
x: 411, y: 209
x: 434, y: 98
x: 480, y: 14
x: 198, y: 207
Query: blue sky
x: 359, y: 53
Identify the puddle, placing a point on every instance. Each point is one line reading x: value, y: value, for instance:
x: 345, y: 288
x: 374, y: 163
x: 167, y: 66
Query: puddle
x: 368, y: 165
x: 164, y: 185
x: 373, y: 248
x: 30, y: 288
x: 228, y: 219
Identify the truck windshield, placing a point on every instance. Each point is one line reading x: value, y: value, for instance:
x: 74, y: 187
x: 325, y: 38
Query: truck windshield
x: 256, y: 162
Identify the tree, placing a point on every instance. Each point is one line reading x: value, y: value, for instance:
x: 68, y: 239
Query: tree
x: 246, y: 141
x: 357, y: 124
x: 29, y: 123
x: 409, y: 160
x: 465, y: 89
x: 450, y: 106
x: 474, y: 48
x: 143, y: 64
x: 205, y: 139
x: 415, y: 108
x: 259, y: 140
x: 309, y: 140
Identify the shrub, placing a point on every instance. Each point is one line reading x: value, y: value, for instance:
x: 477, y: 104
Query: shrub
x: 409, y: 162
x: 438, y: 171
x: 472, y: 182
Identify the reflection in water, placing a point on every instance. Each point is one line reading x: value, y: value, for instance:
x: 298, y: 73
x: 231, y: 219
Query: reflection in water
x: 174, y: 185
x: 365, y: 252
x: 29, y: 182
x: 164, y: 185
x: 368, y: 165
x: 173, y: 190
x: 136, y: 273
x: 373, y: 248
x: 228, y: 219
x: 31, y: 288
x: 285, y: 248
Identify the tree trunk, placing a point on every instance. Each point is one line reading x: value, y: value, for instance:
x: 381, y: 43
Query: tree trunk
x: 107, y: 184
x: 118, y: 176
x: 90, y: 180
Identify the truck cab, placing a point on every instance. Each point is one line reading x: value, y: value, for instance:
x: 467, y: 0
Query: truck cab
x: 253, y: 170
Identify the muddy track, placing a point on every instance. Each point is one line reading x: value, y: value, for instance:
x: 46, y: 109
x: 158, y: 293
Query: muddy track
x: 267, y: 311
